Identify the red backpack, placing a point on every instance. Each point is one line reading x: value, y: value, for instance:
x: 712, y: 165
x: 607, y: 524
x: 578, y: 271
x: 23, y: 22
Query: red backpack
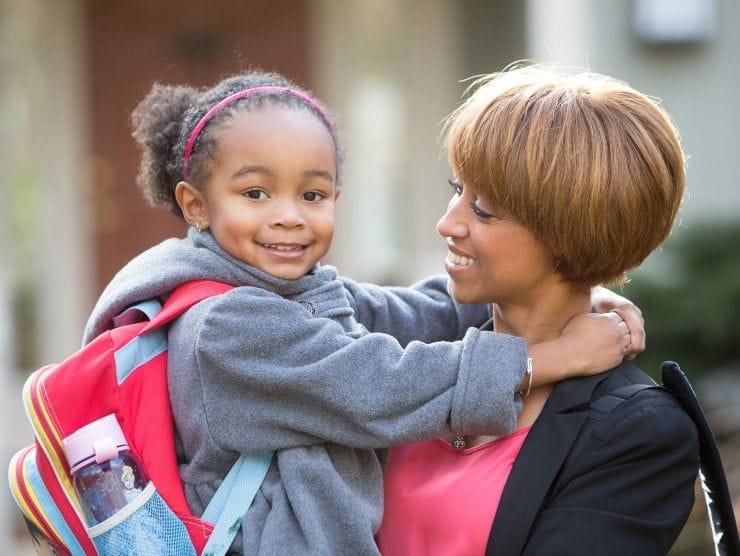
x: 122, y: 372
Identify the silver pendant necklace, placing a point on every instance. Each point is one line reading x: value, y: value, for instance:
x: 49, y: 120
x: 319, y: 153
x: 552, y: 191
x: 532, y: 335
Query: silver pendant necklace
x: 459, y: 442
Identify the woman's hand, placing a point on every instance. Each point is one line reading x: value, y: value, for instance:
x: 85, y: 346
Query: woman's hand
x: 604, y: 300
x: 589, y: 344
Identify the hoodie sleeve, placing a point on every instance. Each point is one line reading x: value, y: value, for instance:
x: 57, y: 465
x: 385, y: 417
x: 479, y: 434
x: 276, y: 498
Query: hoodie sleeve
x: 286, y: 379
x: 425, y: 311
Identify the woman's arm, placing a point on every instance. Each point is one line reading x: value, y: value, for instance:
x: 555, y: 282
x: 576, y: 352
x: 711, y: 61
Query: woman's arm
x: 628, y: 489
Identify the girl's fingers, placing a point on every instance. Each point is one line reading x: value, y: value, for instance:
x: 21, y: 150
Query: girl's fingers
x: 636, y: 325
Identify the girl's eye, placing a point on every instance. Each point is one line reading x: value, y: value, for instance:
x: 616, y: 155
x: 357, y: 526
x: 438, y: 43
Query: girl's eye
x: 456, y: 187
x: 312, y: 196
x: 256, y: 194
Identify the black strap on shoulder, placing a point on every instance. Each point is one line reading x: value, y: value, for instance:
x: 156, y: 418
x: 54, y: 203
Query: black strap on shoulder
x: 714, y: 482
x: 604, y: 405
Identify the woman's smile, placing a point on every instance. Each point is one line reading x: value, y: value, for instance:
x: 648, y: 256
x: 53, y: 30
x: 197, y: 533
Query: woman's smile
x: 508, y: 262
x: 460, y: 260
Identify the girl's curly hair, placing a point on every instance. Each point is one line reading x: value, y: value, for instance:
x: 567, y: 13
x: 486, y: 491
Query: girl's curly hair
x: 163, y: 121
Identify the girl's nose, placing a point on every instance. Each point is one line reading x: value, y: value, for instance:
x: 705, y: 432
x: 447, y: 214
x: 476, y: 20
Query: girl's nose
x: 452, y: 223
x: 287, y: 214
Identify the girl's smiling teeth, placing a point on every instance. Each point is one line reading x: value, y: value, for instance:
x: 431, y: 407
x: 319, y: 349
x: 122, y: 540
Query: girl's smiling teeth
x: 283, y: 246
x: 460, y: 260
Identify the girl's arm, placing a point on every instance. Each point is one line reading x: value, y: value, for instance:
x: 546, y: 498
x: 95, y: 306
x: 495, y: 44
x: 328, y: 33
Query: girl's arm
x: 604, y: 300
x: 589, y: 343
x: 284, y: 378
x: 287, y: 379
x: 426, y: 312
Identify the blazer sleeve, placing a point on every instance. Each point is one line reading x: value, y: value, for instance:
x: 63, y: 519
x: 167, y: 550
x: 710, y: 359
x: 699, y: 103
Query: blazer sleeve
x: 629, y: 489
x: 424, y: 312
x: 287, y: 379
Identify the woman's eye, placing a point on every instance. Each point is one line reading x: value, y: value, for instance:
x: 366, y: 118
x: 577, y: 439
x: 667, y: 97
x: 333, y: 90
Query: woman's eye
x: 312, y: 196
x: 479, y: 212
x: 256, y: 194
x: 456, y: 187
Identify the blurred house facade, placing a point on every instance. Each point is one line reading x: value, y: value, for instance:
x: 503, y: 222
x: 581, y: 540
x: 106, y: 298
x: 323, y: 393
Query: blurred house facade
x: 72, y: 70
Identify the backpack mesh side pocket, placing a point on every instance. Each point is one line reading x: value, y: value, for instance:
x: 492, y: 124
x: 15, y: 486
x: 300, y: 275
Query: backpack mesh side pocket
x: 145, y: 526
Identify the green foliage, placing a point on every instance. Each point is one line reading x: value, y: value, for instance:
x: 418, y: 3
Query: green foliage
x: 692, y: 307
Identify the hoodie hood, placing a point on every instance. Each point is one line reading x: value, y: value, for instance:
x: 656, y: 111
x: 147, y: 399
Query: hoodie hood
x: 160, y: 269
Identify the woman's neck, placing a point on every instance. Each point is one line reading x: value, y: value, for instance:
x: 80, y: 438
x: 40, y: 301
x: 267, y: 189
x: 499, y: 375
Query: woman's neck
x: 543, y: 316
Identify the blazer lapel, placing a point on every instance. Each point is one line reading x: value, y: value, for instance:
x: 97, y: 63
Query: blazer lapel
x: 539, y: 461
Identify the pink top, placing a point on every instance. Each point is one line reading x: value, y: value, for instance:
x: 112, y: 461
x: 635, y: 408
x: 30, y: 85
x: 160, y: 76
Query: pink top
x: 442, y: 501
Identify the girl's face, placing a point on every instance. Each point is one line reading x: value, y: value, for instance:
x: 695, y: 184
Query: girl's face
x: 491, y: 258
x: 270, y: 197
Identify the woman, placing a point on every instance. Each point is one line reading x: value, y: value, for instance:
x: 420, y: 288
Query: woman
x: 563, y: 181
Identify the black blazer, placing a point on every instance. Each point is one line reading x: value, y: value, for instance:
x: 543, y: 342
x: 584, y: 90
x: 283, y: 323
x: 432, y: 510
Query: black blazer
x: 588, y: 483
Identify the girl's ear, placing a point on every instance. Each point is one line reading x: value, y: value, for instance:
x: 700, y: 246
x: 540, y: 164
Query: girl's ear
x: 191, y: 202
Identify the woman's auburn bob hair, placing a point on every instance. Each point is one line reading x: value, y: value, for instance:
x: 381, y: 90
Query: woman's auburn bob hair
x: 593, y: 168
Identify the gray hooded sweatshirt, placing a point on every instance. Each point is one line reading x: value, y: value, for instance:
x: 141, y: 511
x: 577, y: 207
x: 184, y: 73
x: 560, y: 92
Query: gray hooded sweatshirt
x: 323, y: 370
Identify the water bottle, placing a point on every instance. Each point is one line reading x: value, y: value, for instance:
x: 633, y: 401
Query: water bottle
x: 105, y: 475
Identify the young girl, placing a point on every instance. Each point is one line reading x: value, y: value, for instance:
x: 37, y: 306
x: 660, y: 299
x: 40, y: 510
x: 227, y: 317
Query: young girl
x: 294, y: 359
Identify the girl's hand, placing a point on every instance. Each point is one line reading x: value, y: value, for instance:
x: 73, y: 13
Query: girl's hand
x: 599, y: 340
x: 590, y: 343
x: 604, y: 300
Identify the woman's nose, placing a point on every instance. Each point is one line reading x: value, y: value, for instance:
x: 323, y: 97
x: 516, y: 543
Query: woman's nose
x: 452, y: 223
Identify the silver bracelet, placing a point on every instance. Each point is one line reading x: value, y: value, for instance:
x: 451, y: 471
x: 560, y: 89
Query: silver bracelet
x: 529, y: 372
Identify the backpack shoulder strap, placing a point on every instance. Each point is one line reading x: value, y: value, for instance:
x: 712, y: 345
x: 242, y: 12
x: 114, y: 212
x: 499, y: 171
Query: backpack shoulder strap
x: 604, y: 405
x: 232, y: 500
x: 182, y: 298
x: 713, y: 479
x: 148, y: 308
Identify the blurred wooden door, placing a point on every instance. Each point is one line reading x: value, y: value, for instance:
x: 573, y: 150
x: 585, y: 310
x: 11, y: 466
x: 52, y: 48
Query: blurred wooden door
x: 131, y: 45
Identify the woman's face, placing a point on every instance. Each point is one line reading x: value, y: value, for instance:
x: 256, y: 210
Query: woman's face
x: 491, y: 257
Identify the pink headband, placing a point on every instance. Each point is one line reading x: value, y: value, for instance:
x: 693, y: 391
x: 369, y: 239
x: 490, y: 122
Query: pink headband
x: 239, y: 95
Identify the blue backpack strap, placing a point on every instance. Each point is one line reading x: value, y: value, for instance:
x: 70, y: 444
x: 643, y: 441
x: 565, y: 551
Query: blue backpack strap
x: 148, y: 308
x: 152, y: 338
x: 143, y: 348
x: 232, y: 500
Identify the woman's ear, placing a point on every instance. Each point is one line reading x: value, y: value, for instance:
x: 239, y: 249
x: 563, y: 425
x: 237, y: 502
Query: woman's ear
x: 192, y: 204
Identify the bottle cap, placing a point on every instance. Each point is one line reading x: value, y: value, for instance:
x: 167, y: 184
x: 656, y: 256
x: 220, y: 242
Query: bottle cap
x: 98, y: 441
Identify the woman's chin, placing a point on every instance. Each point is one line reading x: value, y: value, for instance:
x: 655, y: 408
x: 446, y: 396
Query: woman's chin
x: 465, y: 296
